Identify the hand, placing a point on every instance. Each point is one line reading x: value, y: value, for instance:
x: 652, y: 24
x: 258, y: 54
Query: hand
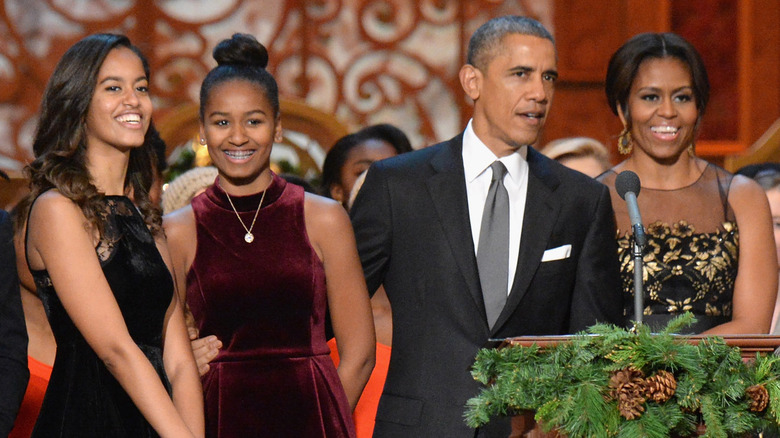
x: 204, y: 349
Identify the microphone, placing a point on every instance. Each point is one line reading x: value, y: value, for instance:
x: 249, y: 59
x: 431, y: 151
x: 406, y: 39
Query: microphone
x: 627, y: 185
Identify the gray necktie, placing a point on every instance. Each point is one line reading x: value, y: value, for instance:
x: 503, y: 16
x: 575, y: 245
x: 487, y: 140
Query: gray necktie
x: 493, y: 249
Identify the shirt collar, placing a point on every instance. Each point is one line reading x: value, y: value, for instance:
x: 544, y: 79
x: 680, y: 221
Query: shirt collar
x: 477, y: 157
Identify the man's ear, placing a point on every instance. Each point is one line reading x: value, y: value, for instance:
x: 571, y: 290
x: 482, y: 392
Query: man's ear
x: 470, y: 80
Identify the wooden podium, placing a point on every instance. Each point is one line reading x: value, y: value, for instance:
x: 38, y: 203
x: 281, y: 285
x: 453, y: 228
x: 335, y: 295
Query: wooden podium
x: 524, y: 425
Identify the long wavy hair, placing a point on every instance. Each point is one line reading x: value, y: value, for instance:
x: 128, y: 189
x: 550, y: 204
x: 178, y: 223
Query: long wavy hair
x: 60, y: 142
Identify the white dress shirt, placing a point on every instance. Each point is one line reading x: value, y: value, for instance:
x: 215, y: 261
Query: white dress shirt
x: 477, y: 159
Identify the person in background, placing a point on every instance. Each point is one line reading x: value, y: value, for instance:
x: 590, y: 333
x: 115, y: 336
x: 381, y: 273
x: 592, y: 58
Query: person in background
x: 159, y: 163
x: 13, y: 335
x: 299, y: 181
x: 356, y: 188
x: 260, y: 261
x: 751, y: 170
x: 123, y: 366
x: 709, y: 233
x: 42, y: 347
x: 767, y: 175
x: 582, y: 154
x: 544, y: 262
x: 352, y: 154
x: 355, y: 153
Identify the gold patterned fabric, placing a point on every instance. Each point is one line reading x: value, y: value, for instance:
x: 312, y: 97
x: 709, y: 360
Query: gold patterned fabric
x: 684, y: 271
x: 691, y: 259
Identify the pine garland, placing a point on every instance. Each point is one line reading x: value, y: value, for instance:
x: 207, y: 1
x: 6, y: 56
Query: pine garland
x: 613, y: 382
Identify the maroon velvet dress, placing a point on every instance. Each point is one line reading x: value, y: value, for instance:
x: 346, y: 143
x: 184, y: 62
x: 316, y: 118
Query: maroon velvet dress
x: 266, y: 301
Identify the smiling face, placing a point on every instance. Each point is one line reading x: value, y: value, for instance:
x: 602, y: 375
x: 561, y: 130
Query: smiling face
x: 120, y: 109
x: 662, y: 109
x: 240, y: 127
x: 512, y: 95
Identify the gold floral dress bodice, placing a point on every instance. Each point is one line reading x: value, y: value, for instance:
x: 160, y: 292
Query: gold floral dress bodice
x: 690, y: 262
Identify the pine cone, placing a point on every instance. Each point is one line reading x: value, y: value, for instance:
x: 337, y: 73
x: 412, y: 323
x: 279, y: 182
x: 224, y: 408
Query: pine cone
x: 661, y: 386
x: 631, y: 405
x: 628, y: 388
x: 759, y: 397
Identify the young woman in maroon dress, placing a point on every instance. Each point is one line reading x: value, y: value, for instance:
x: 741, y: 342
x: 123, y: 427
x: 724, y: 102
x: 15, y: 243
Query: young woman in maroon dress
x: 260, y: 261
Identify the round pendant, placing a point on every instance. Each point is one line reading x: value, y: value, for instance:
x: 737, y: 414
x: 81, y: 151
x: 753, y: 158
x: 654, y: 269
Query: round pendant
x: 249, y: 237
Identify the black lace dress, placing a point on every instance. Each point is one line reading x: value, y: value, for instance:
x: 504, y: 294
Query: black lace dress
x: 690, y: 263
x: 83, y: 398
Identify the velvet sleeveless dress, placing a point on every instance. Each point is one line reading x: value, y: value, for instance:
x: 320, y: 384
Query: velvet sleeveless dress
x: 691, y: 259
x: 83, y: 398
x: 266, y: 301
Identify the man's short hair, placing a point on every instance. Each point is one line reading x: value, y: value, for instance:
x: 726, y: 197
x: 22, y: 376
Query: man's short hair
x: 486, y: 39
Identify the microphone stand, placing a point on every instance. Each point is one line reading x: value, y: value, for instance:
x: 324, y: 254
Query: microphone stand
x: 639, y: 294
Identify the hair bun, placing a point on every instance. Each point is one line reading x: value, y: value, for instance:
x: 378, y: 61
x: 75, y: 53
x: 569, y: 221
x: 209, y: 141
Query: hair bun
x: 241, y: 49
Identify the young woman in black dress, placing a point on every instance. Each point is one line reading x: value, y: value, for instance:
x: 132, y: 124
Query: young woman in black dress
x: 123, y: 367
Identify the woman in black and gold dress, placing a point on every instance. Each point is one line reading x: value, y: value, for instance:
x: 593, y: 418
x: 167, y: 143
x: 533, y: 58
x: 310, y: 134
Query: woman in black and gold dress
x: 710, y: 245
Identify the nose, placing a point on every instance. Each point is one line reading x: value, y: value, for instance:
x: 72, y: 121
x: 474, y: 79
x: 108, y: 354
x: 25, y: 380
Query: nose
x: 537, y: 90
x: 238, y: 135
x: 131, y: 98
x: 667, y: 109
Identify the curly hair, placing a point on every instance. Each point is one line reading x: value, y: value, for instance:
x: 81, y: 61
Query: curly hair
x: 60, y: 142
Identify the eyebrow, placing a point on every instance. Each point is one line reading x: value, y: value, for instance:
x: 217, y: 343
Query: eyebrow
x: 676, y: 90
x: 118, y: 79
x: 365, y: 161
x: 224, y: 114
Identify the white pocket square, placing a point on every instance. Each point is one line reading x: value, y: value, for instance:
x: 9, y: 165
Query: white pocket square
x: 559, y: 253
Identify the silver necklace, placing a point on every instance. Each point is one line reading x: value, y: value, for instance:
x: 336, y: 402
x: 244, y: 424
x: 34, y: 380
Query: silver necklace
x: 248, y: 237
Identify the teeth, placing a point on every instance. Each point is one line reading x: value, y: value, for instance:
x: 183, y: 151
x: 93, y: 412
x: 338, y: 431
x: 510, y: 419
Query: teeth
x: 664, y: 129
x: 239, y: 154
x: 129, y: 118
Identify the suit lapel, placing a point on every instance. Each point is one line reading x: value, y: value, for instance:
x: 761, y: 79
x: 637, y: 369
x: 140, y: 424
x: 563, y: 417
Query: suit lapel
x: 447, y: 187
x: 541, y: 211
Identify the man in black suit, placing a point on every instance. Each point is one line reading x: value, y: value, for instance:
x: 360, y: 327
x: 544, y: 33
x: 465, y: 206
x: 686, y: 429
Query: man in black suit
x: 418, y: 220
x: 13, y: 333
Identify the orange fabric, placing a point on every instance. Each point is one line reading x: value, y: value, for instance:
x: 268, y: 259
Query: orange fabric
x: 33, y: 398
x: 365, y: 411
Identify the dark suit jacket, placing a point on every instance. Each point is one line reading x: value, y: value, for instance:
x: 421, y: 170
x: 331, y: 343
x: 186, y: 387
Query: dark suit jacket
x: 413, y: 234
x: 13, y: 332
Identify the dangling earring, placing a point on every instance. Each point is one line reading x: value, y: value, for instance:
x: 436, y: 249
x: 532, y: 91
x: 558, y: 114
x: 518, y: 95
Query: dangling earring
x: 692, y: 150
x: 625, y: 144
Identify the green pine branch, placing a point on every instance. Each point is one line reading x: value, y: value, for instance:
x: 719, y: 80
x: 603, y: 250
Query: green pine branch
x: 567, y: 384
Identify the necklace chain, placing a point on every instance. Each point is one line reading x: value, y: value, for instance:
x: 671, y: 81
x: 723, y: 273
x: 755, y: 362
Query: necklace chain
x: 248, y: 237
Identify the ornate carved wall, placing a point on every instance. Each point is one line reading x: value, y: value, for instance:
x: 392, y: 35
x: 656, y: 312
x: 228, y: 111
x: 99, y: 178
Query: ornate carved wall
x: 396, y: 61
x: 366, y: 61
